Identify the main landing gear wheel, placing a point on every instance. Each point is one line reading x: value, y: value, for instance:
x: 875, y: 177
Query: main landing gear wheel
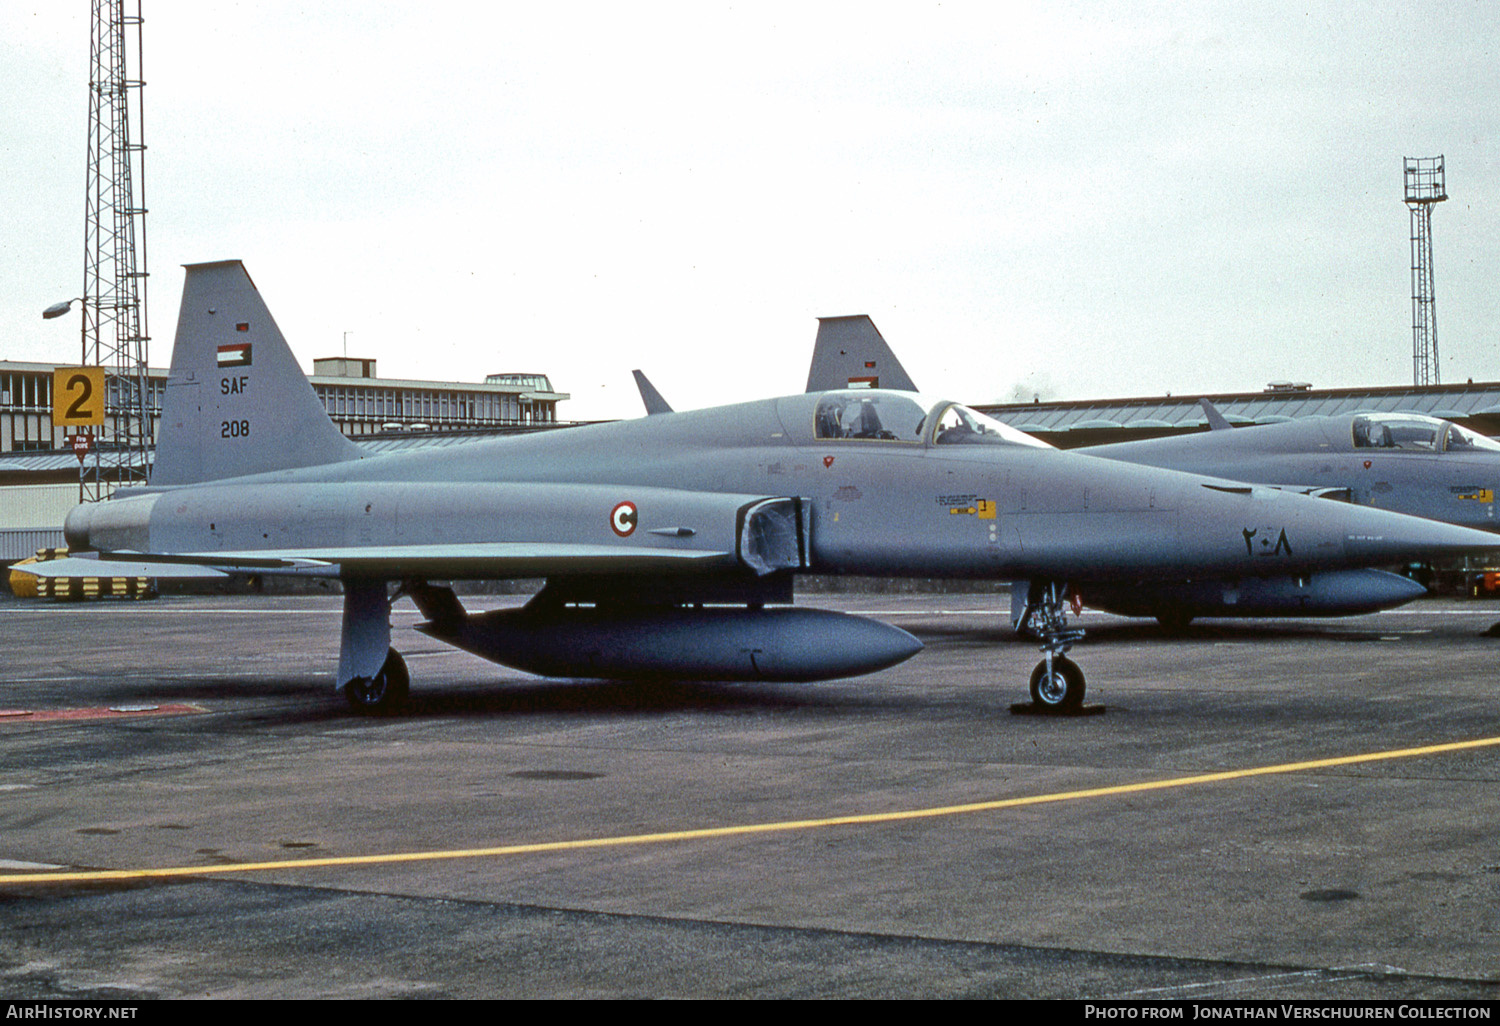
x: 383, y: 693
x: 1174, y: 622
x: 1059, y: 689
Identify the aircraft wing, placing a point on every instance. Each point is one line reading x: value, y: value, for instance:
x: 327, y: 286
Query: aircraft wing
x: 536, y: 529
x: 89, y: 565
x: 464, y: 561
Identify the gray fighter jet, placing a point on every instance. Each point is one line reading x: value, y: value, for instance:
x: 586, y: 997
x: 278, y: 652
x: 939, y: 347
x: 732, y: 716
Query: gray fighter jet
x: 1403, y: 462
x: 1407, y: 463
x: 670, y: 544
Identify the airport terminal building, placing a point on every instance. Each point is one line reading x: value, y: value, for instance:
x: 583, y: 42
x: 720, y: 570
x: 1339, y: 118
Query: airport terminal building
x: 359, y: 402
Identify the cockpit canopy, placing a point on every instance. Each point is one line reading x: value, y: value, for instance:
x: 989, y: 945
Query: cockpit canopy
x: 873, y: 415
x: 870, y: 416
x: 959, y: 425
x: 1416, y: 433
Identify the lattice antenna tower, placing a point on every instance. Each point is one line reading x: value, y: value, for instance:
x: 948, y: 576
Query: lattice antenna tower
x: 1425, y: 186
x: 115, y: 333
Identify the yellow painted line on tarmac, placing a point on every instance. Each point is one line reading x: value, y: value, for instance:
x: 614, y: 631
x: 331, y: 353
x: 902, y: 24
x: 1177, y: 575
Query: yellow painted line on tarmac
x: 743, y: 830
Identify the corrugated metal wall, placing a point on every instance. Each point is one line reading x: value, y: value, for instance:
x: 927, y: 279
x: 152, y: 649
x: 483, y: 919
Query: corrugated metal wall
x: 33, y: 506
x: 20, y: 543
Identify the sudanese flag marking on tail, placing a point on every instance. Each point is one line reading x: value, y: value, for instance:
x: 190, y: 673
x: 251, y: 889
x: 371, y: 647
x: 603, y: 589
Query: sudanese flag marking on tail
x: 236, y: 354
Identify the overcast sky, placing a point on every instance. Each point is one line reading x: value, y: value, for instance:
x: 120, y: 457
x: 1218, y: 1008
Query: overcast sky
x: 1085, y: 200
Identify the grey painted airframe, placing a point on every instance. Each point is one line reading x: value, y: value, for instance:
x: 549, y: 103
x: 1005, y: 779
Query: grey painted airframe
x: 1404, y: 463
x: 670, y: 544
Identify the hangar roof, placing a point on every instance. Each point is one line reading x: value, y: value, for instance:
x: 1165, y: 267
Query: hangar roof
x: 1092, y: 421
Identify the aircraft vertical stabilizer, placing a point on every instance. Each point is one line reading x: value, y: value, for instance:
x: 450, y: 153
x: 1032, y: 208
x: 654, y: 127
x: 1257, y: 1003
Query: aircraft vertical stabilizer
x: 1216, y: 420
x: 850, y: 353
x: 236, y: 401
x: 655, y: 404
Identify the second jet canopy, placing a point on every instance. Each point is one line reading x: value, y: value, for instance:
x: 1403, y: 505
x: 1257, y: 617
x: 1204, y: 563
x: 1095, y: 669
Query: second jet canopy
x: 1423, y: 434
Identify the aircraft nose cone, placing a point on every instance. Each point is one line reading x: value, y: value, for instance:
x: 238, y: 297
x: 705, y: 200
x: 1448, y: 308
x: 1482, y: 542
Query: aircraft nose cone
x: 1377, y: 536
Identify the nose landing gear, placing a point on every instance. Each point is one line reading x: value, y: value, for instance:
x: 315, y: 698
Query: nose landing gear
x: 1057, y: 684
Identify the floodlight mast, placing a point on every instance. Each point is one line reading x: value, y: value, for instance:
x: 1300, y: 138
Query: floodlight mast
x: 1425, y: 185
x: 115, y: 333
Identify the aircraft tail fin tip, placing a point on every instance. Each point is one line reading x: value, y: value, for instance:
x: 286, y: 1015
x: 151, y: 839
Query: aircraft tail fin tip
x: 652, y: 399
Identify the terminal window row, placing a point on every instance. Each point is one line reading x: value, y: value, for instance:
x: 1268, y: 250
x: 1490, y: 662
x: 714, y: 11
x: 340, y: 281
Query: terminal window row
x: 385, y: 404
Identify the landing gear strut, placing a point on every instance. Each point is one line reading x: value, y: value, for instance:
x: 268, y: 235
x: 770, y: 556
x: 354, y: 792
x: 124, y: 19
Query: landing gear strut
x: 371, y: 674
x: 1057, y: 684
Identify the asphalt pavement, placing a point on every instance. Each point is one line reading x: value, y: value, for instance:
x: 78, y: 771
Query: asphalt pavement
x: 897, y: 835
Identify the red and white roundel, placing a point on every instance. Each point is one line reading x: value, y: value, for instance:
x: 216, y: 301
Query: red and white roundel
x: 622, y: 518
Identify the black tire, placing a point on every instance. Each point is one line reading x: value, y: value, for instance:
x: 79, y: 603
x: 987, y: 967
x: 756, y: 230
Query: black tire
x: 1063, y: 692
x: 385, y: 692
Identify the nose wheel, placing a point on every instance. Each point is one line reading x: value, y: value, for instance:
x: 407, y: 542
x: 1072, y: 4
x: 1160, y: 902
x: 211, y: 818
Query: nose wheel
x: 1057, y: 685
